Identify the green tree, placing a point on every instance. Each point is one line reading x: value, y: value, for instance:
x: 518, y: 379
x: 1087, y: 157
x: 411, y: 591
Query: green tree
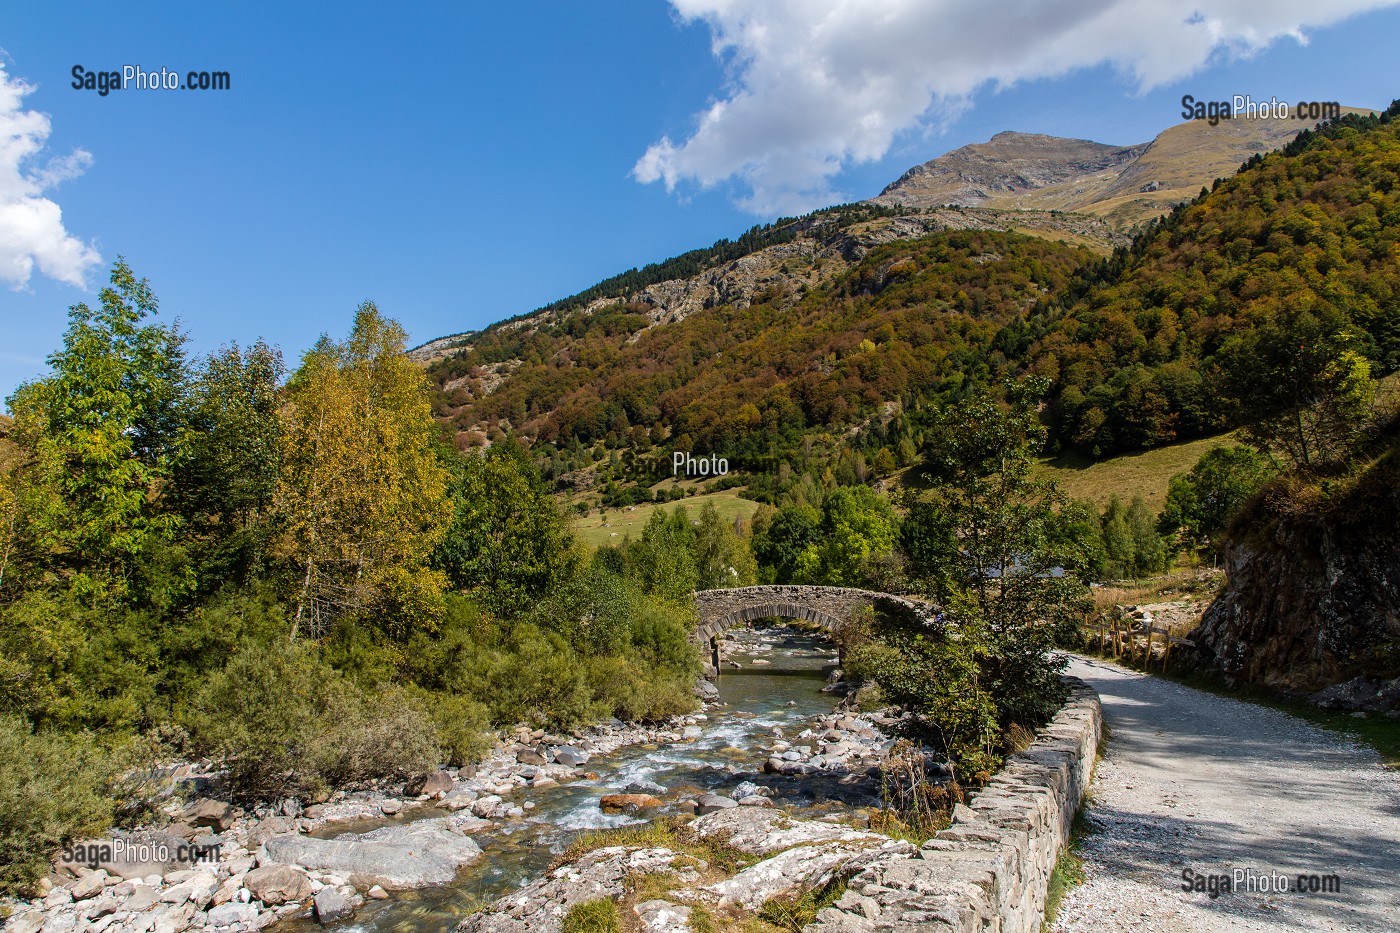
x: 780, y: 537
x: 227, y: 477
x: 1001, y: 561
x: 1201, y: 502
x: 1118, y: 541
x: 858, y: 528
x: 362, y: 493
x: 1149, y: 551
x: 662, y: 561
x: 508, y: 544
x: 1303, y: 385
x: 722, y: 556
x: 100, y: 437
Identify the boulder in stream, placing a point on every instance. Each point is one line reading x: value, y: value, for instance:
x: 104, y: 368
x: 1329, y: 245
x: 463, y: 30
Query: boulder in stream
x: 626, y: 801
x: 418, y: 854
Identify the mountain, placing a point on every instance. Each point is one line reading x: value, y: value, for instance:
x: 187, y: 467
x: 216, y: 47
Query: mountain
x: 1125, y: 185
x: 813, y: 350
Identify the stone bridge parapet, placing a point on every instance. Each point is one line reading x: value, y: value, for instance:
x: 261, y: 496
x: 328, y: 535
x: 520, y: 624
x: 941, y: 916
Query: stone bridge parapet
x: 825, y: 606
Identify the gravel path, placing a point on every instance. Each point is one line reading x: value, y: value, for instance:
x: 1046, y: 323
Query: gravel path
x: 1194, y: 781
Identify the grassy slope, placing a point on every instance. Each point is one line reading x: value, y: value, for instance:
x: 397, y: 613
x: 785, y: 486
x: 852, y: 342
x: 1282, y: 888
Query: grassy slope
x: 621, y: 522
x: 1145, y: 474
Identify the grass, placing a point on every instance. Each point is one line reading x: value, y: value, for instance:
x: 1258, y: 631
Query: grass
x: 793, y: 914
x: 610, y: 527
x: 668, y: 833
x: 597, y: 916
x: 1146, y: 474
x: 1188, y: 584
x: 1069, y: 867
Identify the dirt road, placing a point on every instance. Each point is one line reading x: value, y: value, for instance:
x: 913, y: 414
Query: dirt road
x: 1193, y: 782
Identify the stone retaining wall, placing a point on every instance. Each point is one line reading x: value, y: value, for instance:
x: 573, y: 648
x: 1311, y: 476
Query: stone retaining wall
x: 989, y: 871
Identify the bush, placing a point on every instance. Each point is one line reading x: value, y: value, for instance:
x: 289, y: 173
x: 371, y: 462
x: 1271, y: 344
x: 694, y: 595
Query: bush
x: 256, y: 715
x: 367, y: 736
x: 525, y: 674
x: 285, y: 724
x: 53, y: 790
x: 630, y: 691
x: 463, y: 727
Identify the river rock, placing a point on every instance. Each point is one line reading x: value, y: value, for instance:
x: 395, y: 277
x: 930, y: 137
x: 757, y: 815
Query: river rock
x: 424, y: 853
x: 762, y: 832
x: 140, y: 855
x: 540, y: 907
x: 568, y: 755
x: 780, y: 766
x: 234, y: 913
x: 143, y: 897
x: 214, y: 814
x: 658, y: 916
x: 486, y: 807
x: 644, y: 787
x: 785, y: 874
x: 530, y: 757
x: 26, y: 921
x: 624, y: 801
x: 458, y: 800
x: 331, y: 905
x: 89, y: 885
x: 272, y: 826
x: 278, y: 884
x: 709, y: 803
x: 432, y: 783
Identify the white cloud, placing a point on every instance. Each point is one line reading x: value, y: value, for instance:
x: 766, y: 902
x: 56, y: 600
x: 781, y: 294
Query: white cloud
x: 816, y: 85
x: 31, y: 225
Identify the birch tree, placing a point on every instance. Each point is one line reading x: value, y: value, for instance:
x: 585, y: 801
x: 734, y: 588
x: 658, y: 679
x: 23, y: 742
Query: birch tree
x: 362, y: 493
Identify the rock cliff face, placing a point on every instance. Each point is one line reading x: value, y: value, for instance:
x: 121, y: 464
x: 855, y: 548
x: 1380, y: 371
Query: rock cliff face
x: 1314, y: 591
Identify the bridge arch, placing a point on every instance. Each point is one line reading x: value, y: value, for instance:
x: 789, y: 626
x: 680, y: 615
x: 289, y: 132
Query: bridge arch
x: 827, y: 607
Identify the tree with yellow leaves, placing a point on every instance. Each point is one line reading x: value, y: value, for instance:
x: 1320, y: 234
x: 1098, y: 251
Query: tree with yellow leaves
x: 361, y: 491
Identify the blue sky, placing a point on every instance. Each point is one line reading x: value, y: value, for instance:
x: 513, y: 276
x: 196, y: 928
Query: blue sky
x: 462, y: 163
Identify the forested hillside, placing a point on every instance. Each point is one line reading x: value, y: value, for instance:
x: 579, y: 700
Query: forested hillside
x: 1265, y: 283
x: 1285, y: 271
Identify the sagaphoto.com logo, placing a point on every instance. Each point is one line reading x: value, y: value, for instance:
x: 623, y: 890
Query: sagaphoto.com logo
x: 134, y: 77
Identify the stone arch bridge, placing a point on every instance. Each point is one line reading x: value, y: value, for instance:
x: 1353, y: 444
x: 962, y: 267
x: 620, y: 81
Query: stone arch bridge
x: 827, y: 607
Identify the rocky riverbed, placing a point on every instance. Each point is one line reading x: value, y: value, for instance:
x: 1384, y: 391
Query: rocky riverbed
x: 420, y: 855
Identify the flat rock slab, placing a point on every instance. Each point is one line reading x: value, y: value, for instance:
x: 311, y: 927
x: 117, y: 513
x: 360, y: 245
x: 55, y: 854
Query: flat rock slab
x: 761, y: 832
x: 419, y: 854
x: 138, y: 855
x: 540, y: 907
x: 793, y: 871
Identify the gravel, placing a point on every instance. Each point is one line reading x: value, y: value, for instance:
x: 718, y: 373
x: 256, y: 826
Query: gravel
x: 1190, y: 780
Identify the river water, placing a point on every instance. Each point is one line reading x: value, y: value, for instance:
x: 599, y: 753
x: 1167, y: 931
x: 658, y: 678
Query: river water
x: 784, y: 694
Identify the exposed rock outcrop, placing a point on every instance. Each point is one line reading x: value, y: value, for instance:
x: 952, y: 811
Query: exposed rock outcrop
x: 1314, y: 591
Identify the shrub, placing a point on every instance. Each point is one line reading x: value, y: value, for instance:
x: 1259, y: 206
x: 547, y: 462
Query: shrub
x: 632, y: 692
x: 463, y: 727
x: 256, y: 713
x: 53, y: 789
x: 286, y: 724
x: 368, y: 736
x: 527, y: 675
